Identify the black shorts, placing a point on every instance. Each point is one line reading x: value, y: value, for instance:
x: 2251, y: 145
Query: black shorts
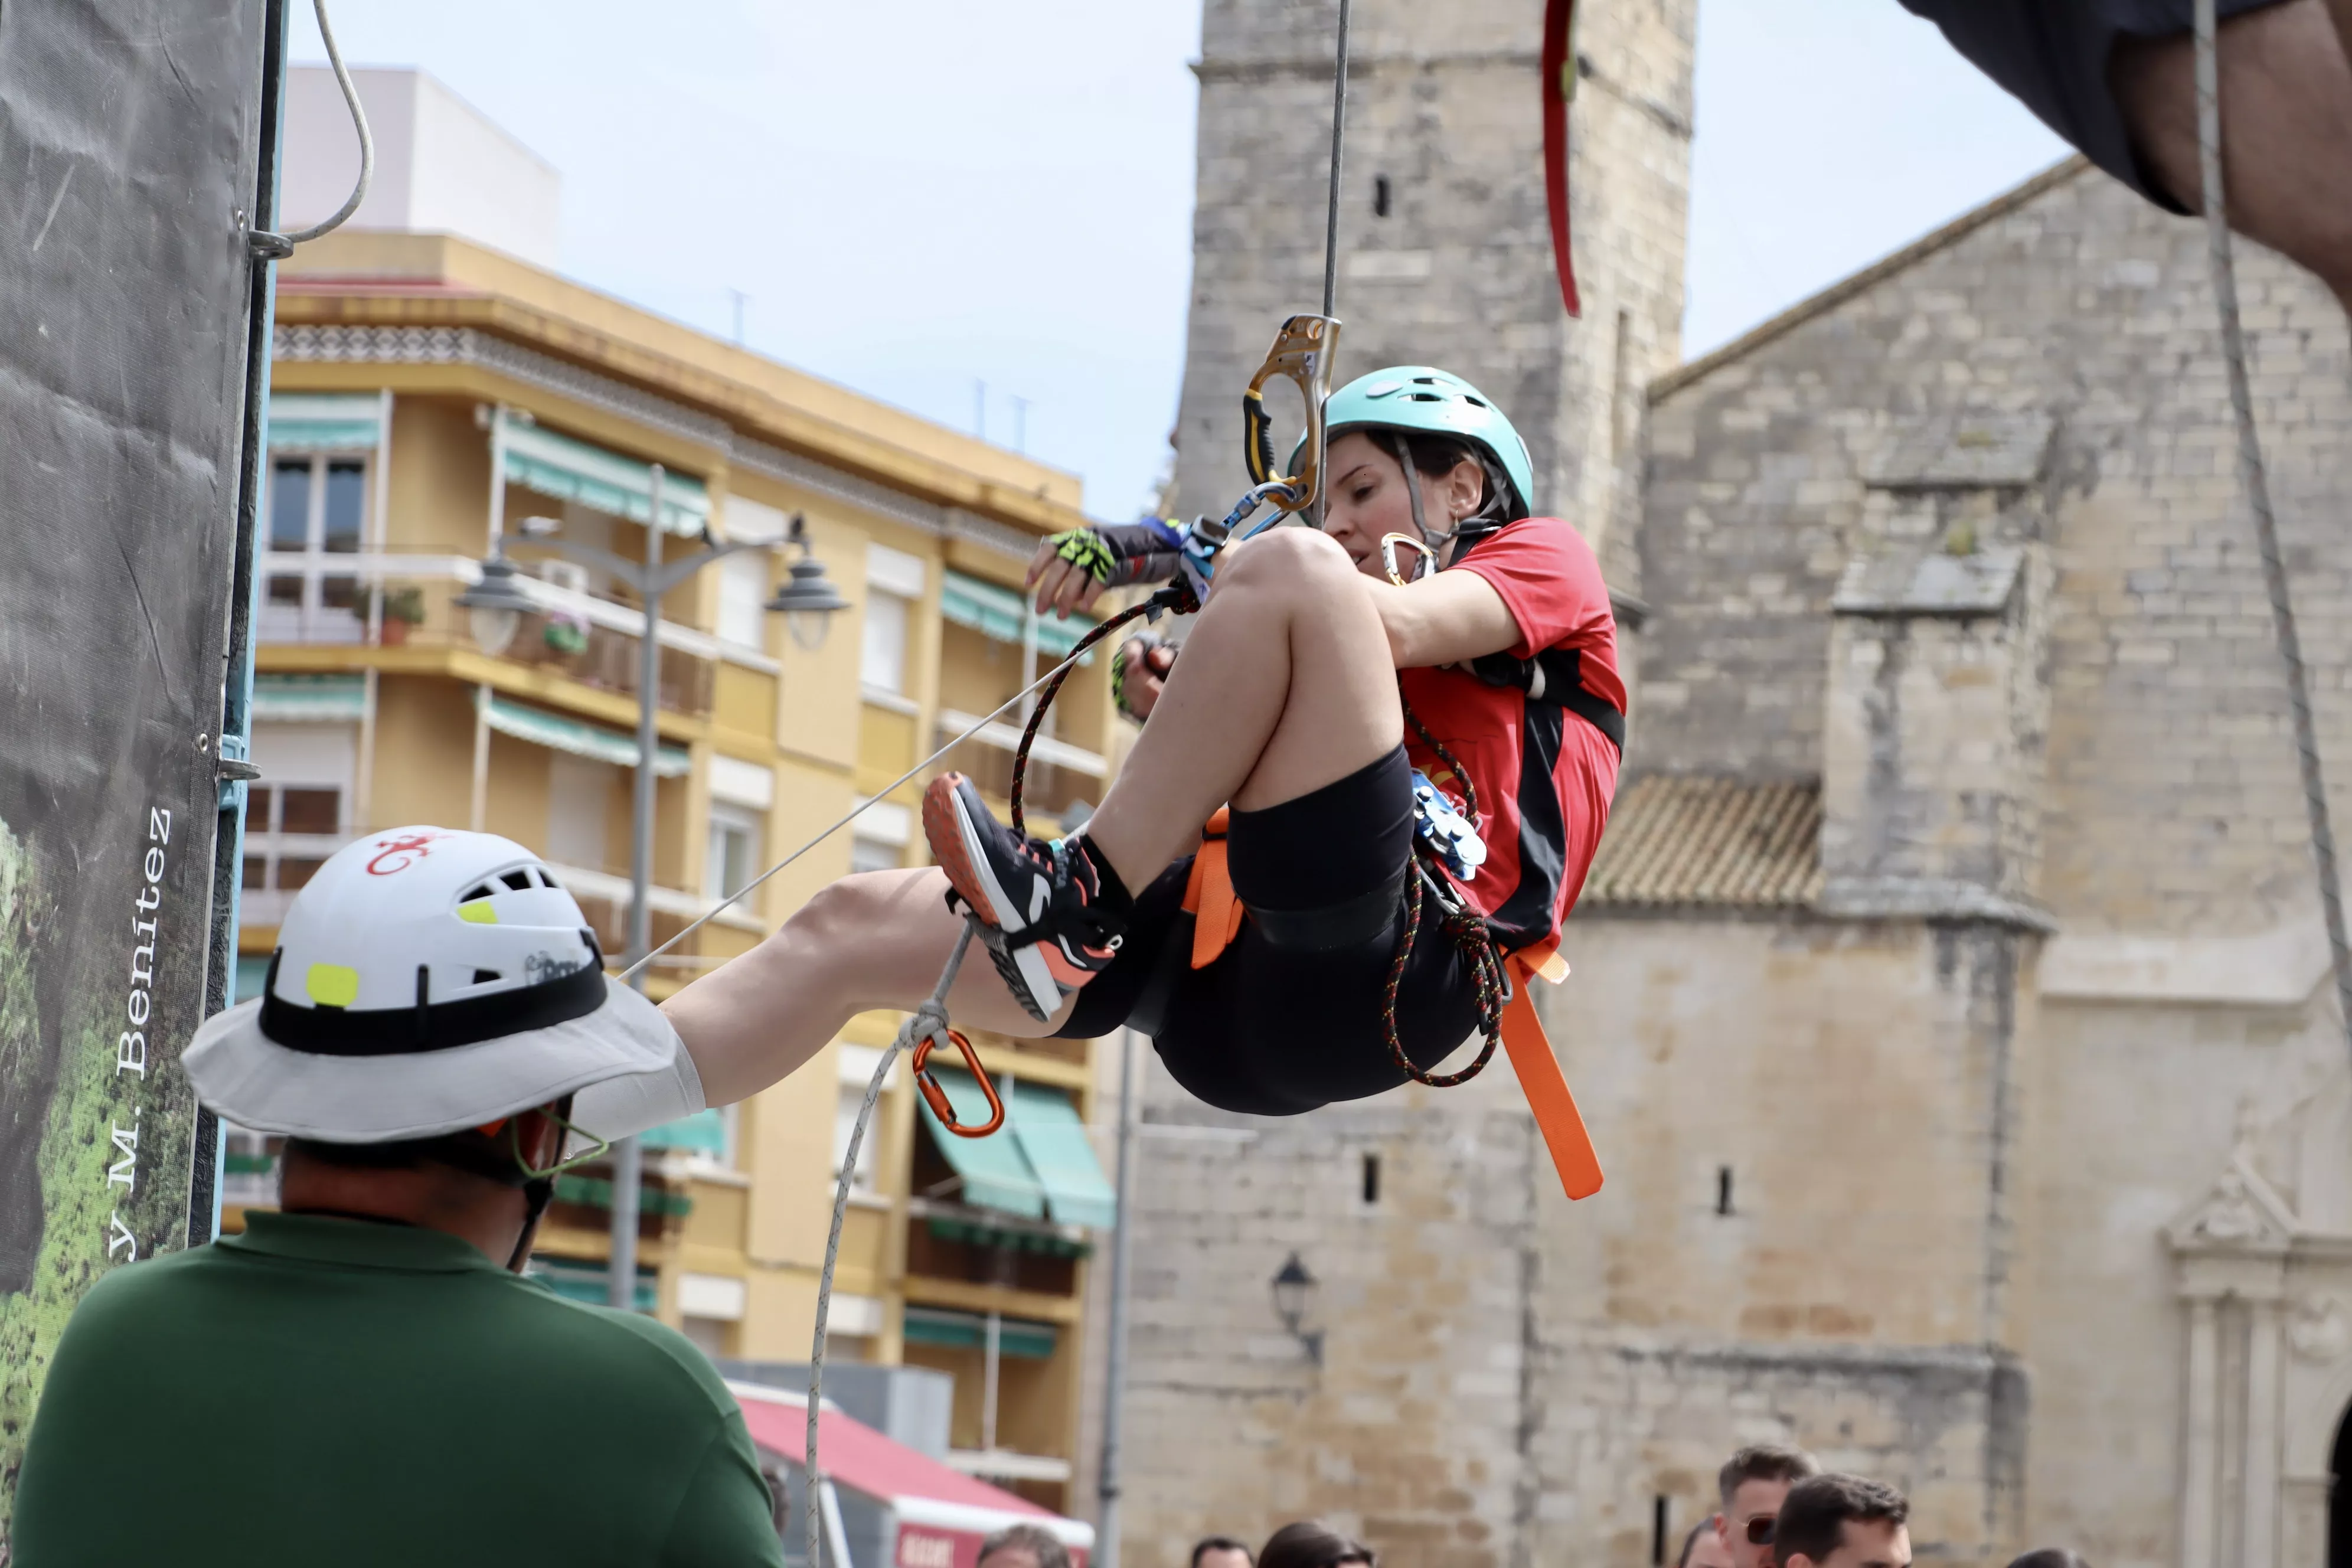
x: 2052, y: 56
x: 1274, y: 1026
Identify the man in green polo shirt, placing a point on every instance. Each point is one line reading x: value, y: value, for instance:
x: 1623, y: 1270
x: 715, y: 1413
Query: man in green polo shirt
x: 366, y: 1377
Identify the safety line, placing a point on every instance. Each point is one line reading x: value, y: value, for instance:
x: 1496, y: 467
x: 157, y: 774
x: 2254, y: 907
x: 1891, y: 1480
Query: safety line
x: 928, y: 1021
x: 871, y: 801
x: 1338, y: 145
x: 2255, y: 479
x: 359, y: 123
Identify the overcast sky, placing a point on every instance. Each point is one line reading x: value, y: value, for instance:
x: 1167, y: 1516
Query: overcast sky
x: 921, y: 195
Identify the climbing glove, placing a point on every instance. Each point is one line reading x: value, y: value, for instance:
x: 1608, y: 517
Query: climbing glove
x: 1114, y: 554
x: 1156, y: 656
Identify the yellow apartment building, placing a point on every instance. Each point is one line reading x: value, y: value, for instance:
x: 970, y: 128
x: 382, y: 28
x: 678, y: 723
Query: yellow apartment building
x: 434, y: 402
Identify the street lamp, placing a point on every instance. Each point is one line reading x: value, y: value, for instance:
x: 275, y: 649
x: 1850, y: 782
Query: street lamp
x: 1294, y: 1299
x: 495, y: 607
x: 807, y: 598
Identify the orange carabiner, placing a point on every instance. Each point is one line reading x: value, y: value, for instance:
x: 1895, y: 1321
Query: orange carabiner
x: 941, y: 1106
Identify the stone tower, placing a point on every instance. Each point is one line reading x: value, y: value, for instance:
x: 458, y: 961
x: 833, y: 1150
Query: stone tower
x: 1445, y: 253
x: 1418, y: 1403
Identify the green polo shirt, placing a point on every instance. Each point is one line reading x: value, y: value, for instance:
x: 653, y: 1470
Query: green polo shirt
x: 323, y: 1390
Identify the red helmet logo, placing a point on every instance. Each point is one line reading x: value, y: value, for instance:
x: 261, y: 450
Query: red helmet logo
x: 398, y: 854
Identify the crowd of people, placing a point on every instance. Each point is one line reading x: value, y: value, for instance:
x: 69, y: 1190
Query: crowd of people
x: 1778, y: 1510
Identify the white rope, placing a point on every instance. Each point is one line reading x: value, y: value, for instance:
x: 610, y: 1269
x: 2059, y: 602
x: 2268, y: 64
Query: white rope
x: 929, y: 1021
x: 2255, y: 479
x: 871, y: 801
x: 359, y: 123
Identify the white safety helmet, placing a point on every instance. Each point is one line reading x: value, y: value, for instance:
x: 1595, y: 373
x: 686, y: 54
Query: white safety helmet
x: 425, y: 981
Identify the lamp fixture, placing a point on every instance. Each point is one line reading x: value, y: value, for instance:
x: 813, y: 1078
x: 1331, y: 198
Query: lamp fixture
x: 1294, y: 1301
x: 807, y: 599
x: 495, y: 606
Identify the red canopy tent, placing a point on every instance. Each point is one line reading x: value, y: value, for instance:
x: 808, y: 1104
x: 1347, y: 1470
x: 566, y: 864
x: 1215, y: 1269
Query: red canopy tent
x: 936, y: 1516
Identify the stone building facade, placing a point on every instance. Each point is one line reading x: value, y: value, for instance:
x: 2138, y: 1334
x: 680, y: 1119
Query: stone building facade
x: 1949, y: 1000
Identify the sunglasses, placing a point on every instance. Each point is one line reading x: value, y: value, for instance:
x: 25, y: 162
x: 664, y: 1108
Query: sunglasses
x: 1759, y: 1529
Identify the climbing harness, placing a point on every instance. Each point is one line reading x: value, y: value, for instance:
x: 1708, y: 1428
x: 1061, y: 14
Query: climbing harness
x: 2255, y: 479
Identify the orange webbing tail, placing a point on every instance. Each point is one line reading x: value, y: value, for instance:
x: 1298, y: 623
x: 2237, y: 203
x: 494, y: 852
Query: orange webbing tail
x: 1546, y: 1087
x: 1209, y: 895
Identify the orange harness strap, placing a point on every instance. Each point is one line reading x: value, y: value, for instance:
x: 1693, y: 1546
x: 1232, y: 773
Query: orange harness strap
x: 1217, y: 919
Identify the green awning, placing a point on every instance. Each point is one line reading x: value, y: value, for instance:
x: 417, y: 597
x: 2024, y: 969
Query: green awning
x: 995, y: 1175
x: 968, y: 1331
x: 587, y: 1282
x: 541, y: 728
x: 999, y: 615
x: 704, y: 1133
x: 252, y: 973
x: 310, y: 699
x: 567, y: 469
x: 325, y: 421
x: 1051, y: 1135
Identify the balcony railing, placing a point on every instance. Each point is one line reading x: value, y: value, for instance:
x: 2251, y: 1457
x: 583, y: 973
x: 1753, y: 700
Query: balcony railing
x: 1060, y: 776
x: 396, y: 599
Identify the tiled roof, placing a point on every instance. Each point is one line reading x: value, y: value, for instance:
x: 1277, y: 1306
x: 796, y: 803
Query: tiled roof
x: 1679, y: 839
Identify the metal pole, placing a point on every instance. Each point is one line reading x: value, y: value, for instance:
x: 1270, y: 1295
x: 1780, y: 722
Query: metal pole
x: 628, y: 1155
x: 1122, y: 1237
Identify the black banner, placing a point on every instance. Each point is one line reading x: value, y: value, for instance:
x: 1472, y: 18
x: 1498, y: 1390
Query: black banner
x: 130, y: 311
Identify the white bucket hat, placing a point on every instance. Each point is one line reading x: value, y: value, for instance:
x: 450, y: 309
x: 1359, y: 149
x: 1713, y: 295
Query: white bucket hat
x: 425, y: 981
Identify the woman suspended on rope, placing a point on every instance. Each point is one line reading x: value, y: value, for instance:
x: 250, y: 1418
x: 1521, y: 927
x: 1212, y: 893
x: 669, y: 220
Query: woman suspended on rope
x: 1286, y: 706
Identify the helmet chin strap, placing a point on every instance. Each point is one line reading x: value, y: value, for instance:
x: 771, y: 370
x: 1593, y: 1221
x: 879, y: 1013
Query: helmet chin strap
x: 1436, y: 542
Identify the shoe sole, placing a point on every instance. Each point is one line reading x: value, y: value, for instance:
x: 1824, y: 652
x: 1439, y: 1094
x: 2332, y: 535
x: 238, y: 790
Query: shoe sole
x: 956, y: 843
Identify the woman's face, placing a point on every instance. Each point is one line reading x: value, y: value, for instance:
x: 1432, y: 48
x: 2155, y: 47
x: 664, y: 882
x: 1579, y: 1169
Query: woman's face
x: 1364, y: 500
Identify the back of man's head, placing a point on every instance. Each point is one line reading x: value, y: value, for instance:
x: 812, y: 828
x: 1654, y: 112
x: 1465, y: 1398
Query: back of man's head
x: 2049, y: 1557
x: 1813, y: 1519
x: 1008, y: 1546
x: 1311, y: 1543
x: 1221, y: 1544
x: 1764, y: 1462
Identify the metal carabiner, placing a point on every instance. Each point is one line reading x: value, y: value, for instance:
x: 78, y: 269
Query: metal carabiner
x: 1389, y: 542
x: 1302, y: 354
x: 941, y: 1106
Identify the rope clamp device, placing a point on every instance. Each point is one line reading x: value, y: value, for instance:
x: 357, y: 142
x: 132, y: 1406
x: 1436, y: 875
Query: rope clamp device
x: 1302, y: 354
x: 1442, y: 831
x: 933, y: 1092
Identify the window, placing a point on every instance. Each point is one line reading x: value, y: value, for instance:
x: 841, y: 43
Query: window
x: 875, y: 855
x: 734, y: 858
x: 580, y: 793
x: 852, y: 1100
x: 289, y: 831
x: 743, y: 600
x: 1380, y: 195
x: 883, y: 665
x: 894, y: 581
x: 249, y: 1166
x: 316, y: 524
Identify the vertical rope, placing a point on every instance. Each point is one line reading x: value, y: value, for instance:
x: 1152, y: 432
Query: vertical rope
x: 2255, y: 481
x: 1338, y: 145
x: 930, y: 1020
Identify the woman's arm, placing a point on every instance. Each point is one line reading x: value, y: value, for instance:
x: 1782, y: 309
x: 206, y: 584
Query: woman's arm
x: 1447, y: 617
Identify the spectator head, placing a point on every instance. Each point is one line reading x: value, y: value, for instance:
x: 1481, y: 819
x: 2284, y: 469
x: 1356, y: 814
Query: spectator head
x: 1023, y: 1546
x: 1843, y: 1521
x: 1703, y: 1548
x: 1752, y: 1487
x: 1221, y: 1552
x: 1311, y: 1543
x: 2049, y: 1557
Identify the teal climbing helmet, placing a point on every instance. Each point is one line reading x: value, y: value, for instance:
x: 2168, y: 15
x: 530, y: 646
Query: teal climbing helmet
x: 1428, y: 401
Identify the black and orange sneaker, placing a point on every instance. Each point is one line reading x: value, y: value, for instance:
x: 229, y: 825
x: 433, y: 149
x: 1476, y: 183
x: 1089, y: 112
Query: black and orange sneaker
x: 1057, y: 925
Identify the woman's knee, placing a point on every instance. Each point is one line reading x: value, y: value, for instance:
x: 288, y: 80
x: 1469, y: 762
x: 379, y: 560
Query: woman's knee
x: 1292, y: 561
x: 851, y: 909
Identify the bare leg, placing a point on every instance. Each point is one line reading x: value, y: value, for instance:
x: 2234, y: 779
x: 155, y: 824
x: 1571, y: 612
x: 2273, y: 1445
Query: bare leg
x: 1286, y: 685
x: 2287, y: 130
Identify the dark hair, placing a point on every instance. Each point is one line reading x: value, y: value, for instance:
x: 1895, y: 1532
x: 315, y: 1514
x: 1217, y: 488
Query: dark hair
x: 1209, y: 1543
x: 1703, y: 1527
x: 1436, y: 456
x: 1311, y: 1543
x: 1764, y: 1462
x: 1046, y: 1549
x: 2049, y: 1557
x: 1813, y: 1520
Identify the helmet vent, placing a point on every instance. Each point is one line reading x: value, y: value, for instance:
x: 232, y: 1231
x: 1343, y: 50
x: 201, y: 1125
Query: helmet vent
x: 519, y: 881
x: 486, y: 976
x: 482, y: 891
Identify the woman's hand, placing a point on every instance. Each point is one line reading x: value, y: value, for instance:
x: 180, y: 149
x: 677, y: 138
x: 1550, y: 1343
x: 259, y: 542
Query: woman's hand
x: 1139, y: 673
x: 1071, y: 569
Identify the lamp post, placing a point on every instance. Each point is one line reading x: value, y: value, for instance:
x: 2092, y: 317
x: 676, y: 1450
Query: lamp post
x: 494, y: 609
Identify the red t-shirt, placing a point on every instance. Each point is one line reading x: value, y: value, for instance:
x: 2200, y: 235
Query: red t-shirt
x: 1544, y: 774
